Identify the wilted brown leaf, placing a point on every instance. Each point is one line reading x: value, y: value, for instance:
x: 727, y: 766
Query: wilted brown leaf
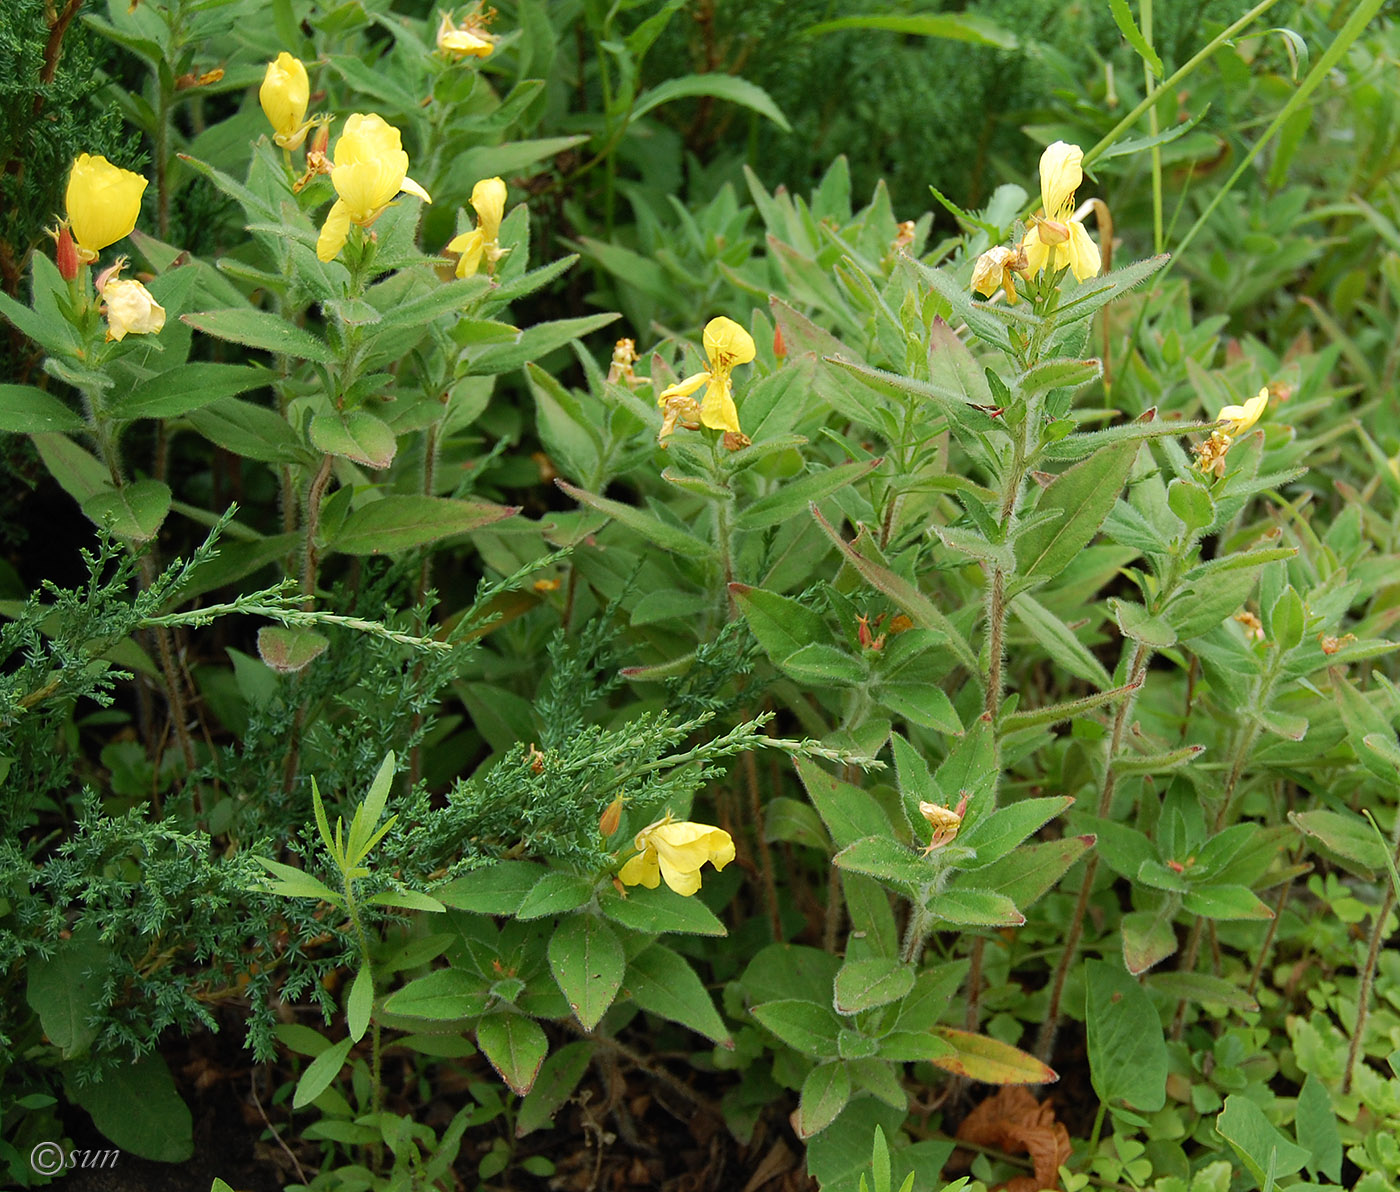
x: 1012, y: 1120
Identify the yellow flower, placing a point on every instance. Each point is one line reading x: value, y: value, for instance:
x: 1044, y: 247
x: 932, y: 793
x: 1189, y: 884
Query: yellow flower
x: 131, y: 310
x: 997, y: 267
x: 1239, y: 419
x: 370, y: 170
x: 284, y: 94
x: 676, y: 851
x: 945, y: 822
x: 726, y: 344
x: 1056, y: 239
x: 489, y: 202
x: 468, y: 40
x: 103, y: 202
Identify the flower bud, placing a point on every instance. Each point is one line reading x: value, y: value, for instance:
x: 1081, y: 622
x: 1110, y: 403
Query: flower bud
x: 611, y: 819
x: 284, y: 94
x: 65, y: 253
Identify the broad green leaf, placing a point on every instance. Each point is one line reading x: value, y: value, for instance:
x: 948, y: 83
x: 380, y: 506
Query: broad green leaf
x: 514, y: 1045
x: 1127, y: 1050
x: 995, y: 835
x: 1148, y: 937
x: 921, y: 703
x: 162, y: 1131
x: 398, y: 523
x: 586, y: 958
x: 1225, y: 902
x: 848, y: 812
x: 1026, y: 874
x: 78, y: 472
x: 247, y: 429
x: 793, y: 496
x: 444, y: 995
x: 556, y: 893
x: 1316, y: 1123
x: 662, y: 982
x: 263, y: 330
x: 715, y: 85
x: 805, y: 1027
x: 1261, y: 1146
x: 653, y: 912
x: 864, y: 984
x: 63, y: 988
x: 497, y: 888
x: 825, y: 1092
x: 781, y: 625
x: 653, y: 529
x: 555, y: 1084
x: 320, y: 1072
x: 885, y: 858
x: 991, y: 1061
x: 823, y: 665
x: 355, y: 435
x: 25, y: 410
x: 1136, y: 622
x: 187, y: 387
x: 1348, y: 836
x: 975, y: 908
x: 1083, y: 495
x: 1203, y: 989
x: 134, y: 511
x: 290, y: 650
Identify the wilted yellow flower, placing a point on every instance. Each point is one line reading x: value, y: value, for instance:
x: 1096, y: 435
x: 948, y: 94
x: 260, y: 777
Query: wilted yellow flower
x: 131, y: 310
x: 1056, y: 239
x: 284, y: 94
x: 620, y: 371
x: 945, y: 822
x: 467, y: 40
x: 103, y: 202
x: 1210, y: 455
x: 1239, y: 419
x: 370, y: 169
x: 489, y: 202
x: 676, y: 851
x: 997, y: 267
x: 726, y: 344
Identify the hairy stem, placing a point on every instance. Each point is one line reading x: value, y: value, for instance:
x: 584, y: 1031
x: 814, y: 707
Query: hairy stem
x: 1368, y: 974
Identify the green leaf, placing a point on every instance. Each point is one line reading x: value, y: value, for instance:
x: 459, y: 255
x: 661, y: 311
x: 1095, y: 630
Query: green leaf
x: 263, y: 330
x: 1058, y: 640
x: 290, y: 650
x: 825, y: 1092
x: 864, y: 984
x: 25, y: 410
x: 188, y: 387
x: 1083, y: 495
x: 64, y: 987
x: 1191, y: 503
x: 515, y: 1046
x: 803, y: 1026
x: 1123, y: 18
x: 885, y: 858
x: 1059, y: 373
x: 781, y: 625
x: 995, y: 835
x: 653, y: 912
x: 359, y: 1004
x: 1316, y: 1124
x: 1287, y: 619
x: 989, y: 1060
x: 398, y: 523
x: 661, y: 982
x: 848, y: 812
x: 1347, y: 836
x: 586, y: 958
x: 975, y: 908
x: 1260, y: 1144
x: 653, y: 529
x: 793, y: 496
x: 1148, y: 938
x: 533, y: 342
x: 134, y: 511
x: 555, y: 894
x: 1136, y: 622
x: 78, y: 472
x: 1026, y: 874
x: 952, y: 26
x: 554, y: 1086
x: 921, y: 703
x: 444, y: 995
x: 1203, y: 989
x: 163, y: 1130
x: 247, y: 429
x: 822, y: 665
x: 319, y: 1073
x: 1225, y: 902
x: 718, y: 86
x: 1127, y: 1052
x: 497, y: 888
x: 355, y: 435
x: 296, y: 883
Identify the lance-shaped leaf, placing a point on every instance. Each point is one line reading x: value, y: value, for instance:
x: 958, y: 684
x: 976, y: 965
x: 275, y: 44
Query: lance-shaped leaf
x: 397, y: 523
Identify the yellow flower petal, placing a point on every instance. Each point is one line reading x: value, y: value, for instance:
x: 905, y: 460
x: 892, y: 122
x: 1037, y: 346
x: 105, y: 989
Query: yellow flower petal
x: 284, y: 94
x: 641, y: 870
x: 1239, y: 419
x: 683, y: 388
x: 131, y: 310
x: 717, y: 408
x: 334, y: 231
x: 103, y: 202
x: 470, y: 245
x: 676, y: 851
x: 489, y: 202
x: 412, y: 188
x: 727, y: 344
x: 1084, y: 259
x: 1060, y: 176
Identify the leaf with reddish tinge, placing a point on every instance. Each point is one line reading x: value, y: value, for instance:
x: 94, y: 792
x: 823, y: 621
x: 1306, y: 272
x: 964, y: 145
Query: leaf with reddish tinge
x: 989, y: 1060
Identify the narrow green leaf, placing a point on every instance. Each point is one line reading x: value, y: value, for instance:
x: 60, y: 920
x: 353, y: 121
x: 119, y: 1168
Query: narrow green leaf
x: 261, y: 329
x: 714, y: 85
x: 793, y: 496
x: 398, y: 523
x: 951, y: 26
x: 359, y: 1004
x: 320, y: 1072
x: 651, y: 528
x: 25, y: 410
x: 444, y: 995
x: 1123, y: 18
x: 187, y: 387
x: 555, y: 1084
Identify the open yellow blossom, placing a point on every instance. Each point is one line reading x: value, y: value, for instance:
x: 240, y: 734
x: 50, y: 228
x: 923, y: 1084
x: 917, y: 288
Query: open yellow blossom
x: 130, y: 307
x: 726, y: 344
x: 676, y: 851
x: 103, y: 202
x: 489, y: 202
x: 1239, y: 419
x: 998, y: 267
x: 467, y: 40
x: 284, y: 94
x: 1056, y: 239
x: 370, y: 169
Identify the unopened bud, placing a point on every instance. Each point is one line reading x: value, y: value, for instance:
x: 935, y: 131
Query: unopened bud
x: 1052, y: 232
x: 779, y: 345
x: 611, y: 818
x: 66, y: 253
